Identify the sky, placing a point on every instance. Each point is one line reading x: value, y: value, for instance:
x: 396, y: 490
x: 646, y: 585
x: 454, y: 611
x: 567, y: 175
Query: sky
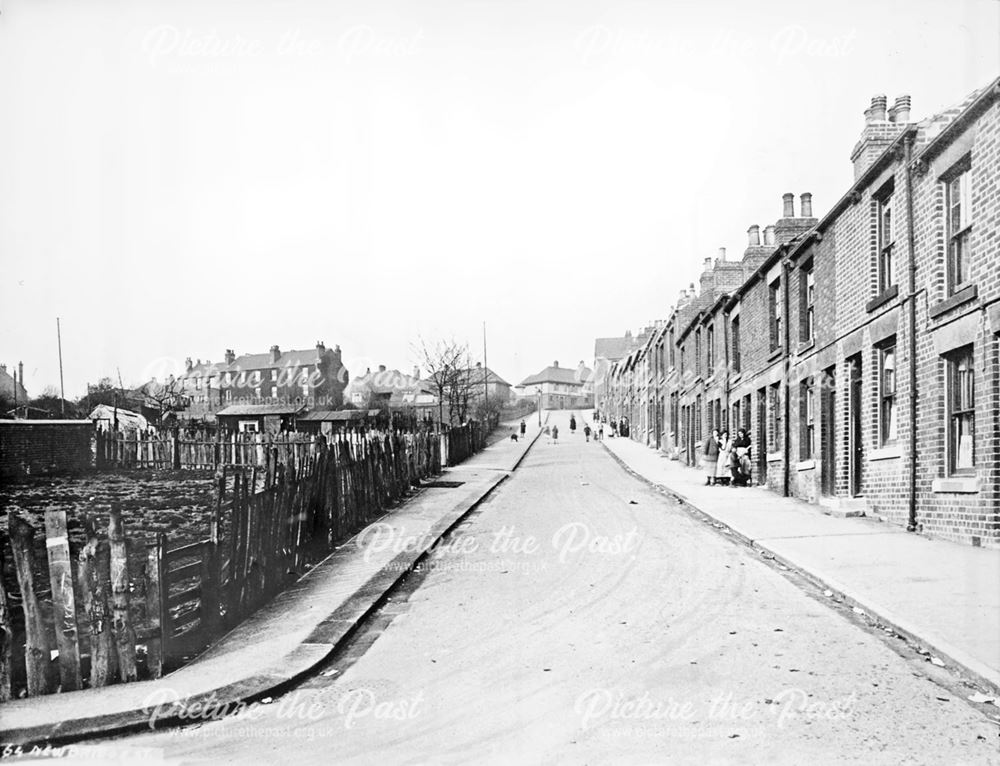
x: 178, y: 178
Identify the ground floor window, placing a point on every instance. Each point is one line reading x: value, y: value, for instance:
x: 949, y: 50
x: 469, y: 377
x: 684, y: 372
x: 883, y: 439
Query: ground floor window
x: 807, y: 419
x: 961, y: 411
x: 887, y: 394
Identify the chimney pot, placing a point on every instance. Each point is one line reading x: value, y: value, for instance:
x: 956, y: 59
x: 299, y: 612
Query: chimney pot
x: 708, y: 264
x: 188, y: 364
x: 381, y: 368
x: 876, y: 112
x: 753, y: 236
x: 555, y: 364
x: 900, y: 111
x: 806, y: 204
x: 722, y: 254
x: 768, y: 235
x: 789, y: 205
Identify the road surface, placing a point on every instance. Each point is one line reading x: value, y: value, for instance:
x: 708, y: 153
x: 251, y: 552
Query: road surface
x: 578, y: 616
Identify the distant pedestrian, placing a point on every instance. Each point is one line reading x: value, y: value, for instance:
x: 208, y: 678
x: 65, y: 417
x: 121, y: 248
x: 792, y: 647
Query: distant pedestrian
x: 586, y: 431
x: 600, y: 432
x: 722, y: 472
x: 740, y: 460
x: 555, y: 434
x: 523, y: 428
x: 572, y: 425
x: 710, y: 456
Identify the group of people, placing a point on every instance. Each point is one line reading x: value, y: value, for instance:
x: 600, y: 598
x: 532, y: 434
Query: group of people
x: 727, y: 461
x: 552, y: 432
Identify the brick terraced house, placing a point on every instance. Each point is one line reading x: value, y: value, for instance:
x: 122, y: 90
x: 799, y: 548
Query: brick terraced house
x: 861, y: 349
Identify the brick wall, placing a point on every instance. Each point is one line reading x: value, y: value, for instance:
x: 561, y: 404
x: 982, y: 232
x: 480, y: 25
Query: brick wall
x: 39, y: 447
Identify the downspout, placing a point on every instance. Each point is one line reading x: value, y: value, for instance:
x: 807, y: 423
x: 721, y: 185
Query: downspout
x: 785, y: 362
x: 911, y: 525
x: 725, y: 345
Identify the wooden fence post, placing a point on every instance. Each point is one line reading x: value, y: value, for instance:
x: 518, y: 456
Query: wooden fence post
x: 6, y: 639
x: 63, y: 599
x: 122, y: 620
x: 211, y: 577
x: 37, y: 652
x: 157, y: 617
x: 91, y: 573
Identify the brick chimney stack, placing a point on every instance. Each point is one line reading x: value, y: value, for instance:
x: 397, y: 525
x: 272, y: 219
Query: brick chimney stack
x: 879, y: 131
x: 230, y: 356
x: 188, y: 365
x: 788, y: 227
x: 275, y: 354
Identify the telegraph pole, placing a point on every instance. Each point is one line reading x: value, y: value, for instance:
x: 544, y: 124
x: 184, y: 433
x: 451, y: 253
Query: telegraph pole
x: 486, y: 373
x: 62, y: 390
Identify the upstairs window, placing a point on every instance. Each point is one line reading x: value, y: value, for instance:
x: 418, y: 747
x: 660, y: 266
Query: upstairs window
x: 697, y: 351
x: 958, y: 207
x: 735, y: 327
x: 886, y: 241
x: 961, y: 412
x: 774, y: 312
x: 673, y: 359
x: 807, y: 295
x: 710, y: 341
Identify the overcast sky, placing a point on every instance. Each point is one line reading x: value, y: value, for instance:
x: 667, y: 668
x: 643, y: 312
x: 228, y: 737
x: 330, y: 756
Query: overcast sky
x: 178, y: 178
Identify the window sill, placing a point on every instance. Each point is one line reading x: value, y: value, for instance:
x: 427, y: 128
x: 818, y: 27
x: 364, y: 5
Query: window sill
x: 968, y: 485
x: 967, y: 293
x: 736, y: 378
x: 881, y: 300
x: 774, y: 457
x: 805, y: 465
x: 886, y: 453
x: 775, y: 353
x: 805, y: 345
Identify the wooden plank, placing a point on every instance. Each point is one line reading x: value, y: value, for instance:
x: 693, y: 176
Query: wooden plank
x: 6, y: 638
x: 158, y: 623
x: 185, y: 551
x: 63, y: 599
x: 95, y: 588
x: 121, y: 619
x: 211, y: 579
x: 37, y: 654
x: 188, y: 594
x: 187, y: 571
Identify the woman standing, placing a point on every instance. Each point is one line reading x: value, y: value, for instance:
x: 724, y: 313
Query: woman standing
x: 741, y: 458
x: 710, y: 459
x: 722, y: 473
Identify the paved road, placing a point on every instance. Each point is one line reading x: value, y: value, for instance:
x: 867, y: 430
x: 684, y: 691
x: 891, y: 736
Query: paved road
x: 580, y: 617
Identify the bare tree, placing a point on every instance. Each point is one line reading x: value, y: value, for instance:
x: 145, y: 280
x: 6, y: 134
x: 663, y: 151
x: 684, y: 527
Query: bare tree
x: 447, y: 365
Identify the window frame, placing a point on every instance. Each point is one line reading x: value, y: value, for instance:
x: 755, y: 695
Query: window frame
x: 961, y: 235
x: 734, y: 330
x: 710, y: 350
x: 774, y: 310
x: 807, y: 303
x: 807, y: 418
x: 888, y: 415
x: 884, y: 250
x: 953, y: 415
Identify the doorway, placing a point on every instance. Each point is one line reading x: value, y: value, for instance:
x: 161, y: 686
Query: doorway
x: 854, y: 447
x: 827, y: 420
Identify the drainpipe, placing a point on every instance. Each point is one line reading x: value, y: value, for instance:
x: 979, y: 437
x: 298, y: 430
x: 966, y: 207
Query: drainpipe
x: 911, y: 525
x: 725, y: 382
x: 786, y: 369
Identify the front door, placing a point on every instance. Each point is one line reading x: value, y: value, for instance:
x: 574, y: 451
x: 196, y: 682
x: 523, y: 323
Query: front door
x: 762, y: 436
x: 827, y: 419
x: 855, y: 425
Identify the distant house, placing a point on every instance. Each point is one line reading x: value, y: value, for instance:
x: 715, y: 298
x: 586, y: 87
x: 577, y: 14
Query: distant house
x: 560, y: 387
x: 294, y: 379
x: 106, y: 418
x: 331, y: 421
x: 11, y: 389
x: 259, y: 418
x: 390, y: 387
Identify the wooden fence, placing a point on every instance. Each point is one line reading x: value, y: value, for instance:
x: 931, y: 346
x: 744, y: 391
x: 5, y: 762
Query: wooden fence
x: 145, y: 449
x: 184, y: 597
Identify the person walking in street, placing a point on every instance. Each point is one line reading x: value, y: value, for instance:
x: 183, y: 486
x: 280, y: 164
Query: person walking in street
x: 555, y: 434
x: 572, y: 425
x: 600, y: 432
x: 523, y: 429
x: 586, y: 431
x: 740, y: 464
x: 710, y: 456
x: 722, y: 470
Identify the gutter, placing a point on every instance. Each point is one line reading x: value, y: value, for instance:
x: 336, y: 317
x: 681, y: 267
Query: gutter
x: 911, y: 524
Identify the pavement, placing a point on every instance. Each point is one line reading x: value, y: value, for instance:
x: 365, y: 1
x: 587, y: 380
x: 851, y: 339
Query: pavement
x: 289, y: 637
x: 942, y: 595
